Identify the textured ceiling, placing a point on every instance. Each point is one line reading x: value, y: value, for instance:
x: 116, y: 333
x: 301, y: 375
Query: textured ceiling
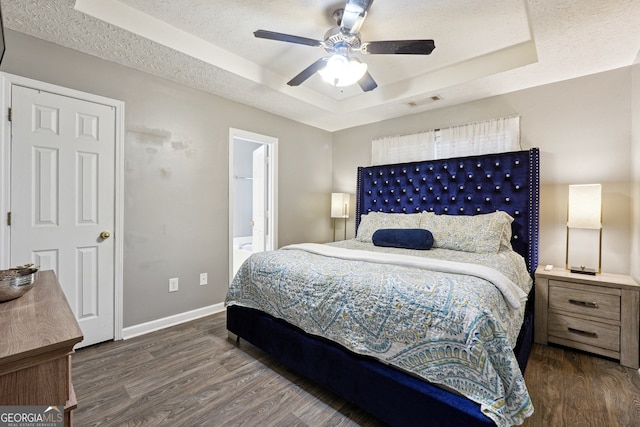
x: 482, y: 48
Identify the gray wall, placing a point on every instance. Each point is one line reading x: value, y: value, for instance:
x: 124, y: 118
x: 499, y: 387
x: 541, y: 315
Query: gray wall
x: 583, y: 129
x: 176, y: 210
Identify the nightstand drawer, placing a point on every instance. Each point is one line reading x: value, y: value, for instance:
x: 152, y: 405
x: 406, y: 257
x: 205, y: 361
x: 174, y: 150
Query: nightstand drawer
x: 586, y: 300
x: 584, y: 331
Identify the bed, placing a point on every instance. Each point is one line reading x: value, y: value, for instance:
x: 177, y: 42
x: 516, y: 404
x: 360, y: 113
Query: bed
x: 387, y: 369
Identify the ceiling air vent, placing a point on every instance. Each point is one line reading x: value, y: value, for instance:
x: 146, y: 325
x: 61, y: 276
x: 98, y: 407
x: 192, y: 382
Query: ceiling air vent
x: 424, y: 101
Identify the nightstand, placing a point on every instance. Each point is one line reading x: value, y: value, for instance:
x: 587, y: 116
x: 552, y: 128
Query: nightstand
x: 598, y: 314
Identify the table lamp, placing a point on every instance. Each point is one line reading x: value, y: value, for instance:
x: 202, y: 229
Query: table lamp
x: 585, y: 212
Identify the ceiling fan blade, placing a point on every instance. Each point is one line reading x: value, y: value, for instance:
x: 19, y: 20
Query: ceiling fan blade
x: 367, y: 83
x: 272, y: 35
x: 307, y: 72
x: 355, y: 11
x: 404, y: 47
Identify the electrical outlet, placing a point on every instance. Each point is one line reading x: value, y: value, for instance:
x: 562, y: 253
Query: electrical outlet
x: 203, y: 279
x: 173, y: 284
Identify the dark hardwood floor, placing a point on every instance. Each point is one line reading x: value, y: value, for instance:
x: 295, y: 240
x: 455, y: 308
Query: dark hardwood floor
x: 192, y: 375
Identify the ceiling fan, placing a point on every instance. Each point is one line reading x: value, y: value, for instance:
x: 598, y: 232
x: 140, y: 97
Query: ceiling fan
x: 341, y: 41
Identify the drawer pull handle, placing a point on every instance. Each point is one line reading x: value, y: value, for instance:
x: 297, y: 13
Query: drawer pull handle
x: 583, y: 333
x: 583, y: 303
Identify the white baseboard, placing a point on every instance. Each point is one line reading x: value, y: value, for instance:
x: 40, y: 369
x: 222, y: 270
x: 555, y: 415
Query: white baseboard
x: 176, y: 319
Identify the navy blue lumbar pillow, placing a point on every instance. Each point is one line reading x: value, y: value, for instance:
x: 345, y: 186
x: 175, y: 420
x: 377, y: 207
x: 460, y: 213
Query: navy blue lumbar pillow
x: 406, y: 238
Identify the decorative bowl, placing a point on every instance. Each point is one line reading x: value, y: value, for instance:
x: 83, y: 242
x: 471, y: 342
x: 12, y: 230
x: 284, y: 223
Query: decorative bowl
x: 17, y: 281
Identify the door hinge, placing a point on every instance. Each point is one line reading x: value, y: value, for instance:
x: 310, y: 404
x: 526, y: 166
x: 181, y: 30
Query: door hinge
x: 10, y: 114
x: 8, y: 218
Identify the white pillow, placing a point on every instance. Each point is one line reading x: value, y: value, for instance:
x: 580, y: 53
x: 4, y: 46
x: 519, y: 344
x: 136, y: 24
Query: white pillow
x: 484, y: 233
x: 373, y: 221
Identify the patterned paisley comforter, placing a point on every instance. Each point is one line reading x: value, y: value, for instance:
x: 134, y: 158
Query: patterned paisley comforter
x: 453, y: 329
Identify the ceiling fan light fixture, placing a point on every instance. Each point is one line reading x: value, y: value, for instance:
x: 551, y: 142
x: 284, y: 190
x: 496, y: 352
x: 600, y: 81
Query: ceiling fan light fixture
x: 342, y: 71
x: 341, y: 41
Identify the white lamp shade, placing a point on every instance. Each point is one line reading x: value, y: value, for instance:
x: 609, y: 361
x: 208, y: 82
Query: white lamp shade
x: 340, y: 205
x: 585, y: 206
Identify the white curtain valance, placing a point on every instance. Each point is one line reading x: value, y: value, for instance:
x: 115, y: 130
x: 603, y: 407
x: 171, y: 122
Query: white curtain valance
x: 490, y: 136
x: 403, y: 148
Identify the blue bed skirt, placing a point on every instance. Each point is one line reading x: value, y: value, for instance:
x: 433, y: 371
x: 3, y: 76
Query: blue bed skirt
x: 393, y: 396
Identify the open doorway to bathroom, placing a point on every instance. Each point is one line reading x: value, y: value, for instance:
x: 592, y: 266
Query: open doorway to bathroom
x: 252, y: 195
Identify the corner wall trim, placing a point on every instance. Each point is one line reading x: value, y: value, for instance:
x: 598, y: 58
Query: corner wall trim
x: 166, y: 322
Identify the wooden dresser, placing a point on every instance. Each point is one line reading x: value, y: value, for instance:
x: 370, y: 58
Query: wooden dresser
x: 599, y: 314
x: 37, y: 335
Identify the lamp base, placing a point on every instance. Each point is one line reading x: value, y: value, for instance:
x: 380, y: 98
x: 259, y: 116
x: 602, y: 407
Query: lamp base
x: 583, y: 270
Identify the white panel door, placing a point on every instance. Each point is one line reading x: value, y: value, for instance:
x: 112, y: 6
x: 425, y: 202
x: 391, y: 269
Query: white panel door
x: 62, y: 199
x: 259, y: 209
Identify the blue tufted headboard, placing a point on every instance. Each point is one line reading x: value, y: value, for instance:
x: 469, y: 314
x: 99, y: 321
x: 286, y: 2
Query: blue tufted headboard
x: 461, y: 186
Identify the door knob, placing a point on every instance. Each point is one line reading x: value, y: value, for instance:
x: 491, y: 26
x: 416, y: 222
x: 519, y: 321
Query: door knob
x: 105, y: 235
